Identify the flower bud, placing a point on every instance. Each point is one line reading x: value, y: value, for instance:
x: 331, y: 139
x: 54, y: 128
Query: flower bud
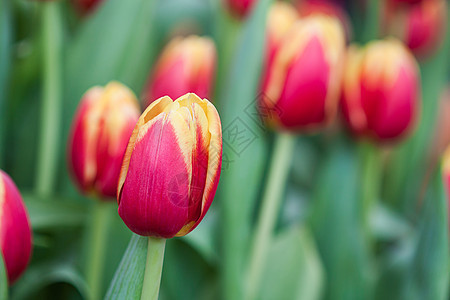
x: 15, y: 231
x: 100, y: 132
x: 381, y: 90
x: 420, y: 26
x: 86, y: 6
x: 301, y: 86
x: 171, y: 167
x: 186, y: 65
x: 239, y: 8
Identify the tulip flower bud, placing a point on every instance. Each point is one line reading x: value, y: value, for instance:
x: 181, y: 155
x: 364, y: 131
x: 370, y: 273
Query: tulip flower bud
x: 171, y: 167
x: 100, y: 132
x: 186, y: 65
x: 381, y: 90
x: 15, y: 231
x: 301, y: 86
x: 420, y: 26
x: 240, y: 8
x: 86, y: 6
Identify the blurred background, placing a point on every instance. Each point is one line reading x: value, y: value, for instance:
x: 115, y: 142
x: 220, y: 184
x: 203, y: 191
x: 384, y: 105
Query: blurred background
x: 327, y: 242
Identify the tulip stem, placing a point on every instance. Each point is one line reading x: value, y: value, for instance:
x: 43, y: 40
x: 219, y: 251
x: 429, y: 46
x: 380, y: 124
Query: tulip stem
x: 153, y: 268
x: 98, y: 235
x: 51, y: 98
x: 271, y: 203
x: 371, y: 176
x: 3, y: 279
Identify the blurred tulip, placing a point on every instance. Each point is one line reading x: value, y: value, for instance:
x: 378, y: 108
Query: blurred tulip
x: 86, y: 6
x: 101, y: 129
x: 420, y: 26
x: 186, y: 65
x: 15, y: 231
x: 327, y: 7
x: 171, y: 168
x: 239, y: 8
x: 301, y: 87
x: 381, y: 90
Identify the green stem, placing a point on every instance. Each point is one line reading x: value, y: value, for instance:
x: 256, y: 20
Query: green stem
x: 153, y: 268
x: 51, y: 98
x: 3, y: 280
x: 371, y: 180
x: 271, y: 202
x: 101, y: 217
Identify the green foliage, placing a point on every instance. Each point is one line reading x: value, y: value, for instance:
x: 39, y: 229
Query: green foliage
x: 293, y: 269
x: 3, y: 280
x: 127, y: 283
x: 243, y: 169
x: 336, y: 222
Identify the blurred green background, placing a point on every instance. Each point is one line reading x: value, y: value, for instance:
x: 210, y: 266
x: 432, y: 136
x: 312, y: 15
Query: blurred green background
x: 327, y: 244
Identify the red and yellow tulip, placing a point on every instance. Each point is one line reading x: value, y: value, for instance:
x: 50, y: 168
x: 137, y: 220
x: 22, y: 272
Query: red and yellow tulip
x: 301, y: 84
x: 101, y: 129
x: 381, y: 90
x: 171, y: 167
x: 186, y: 65
x: 15, y: 231
x: 420, y: 26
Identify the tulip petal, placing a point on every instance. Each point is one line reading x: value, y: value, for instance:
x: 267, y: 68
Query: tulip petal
x: 15, y: 232
x: 154, y: 109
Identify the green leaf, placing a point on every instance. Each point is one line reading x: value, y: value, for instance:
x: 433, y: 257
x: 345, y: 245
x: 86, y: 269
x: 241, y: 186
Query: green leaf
x: 430, y: 273
x: 129, y: 277
x: 337, y: 225
x: 293, y: 269
x: 3, y: 280
x: 5, y: 44
x: 46, y: 274
x: 418, y: 266
x: 243, y: 162
x: 54, y: 213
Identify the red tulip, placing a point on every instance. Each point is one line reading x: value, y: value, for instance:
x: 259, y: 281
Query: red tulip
x: 171, y: 168
x: 15, y: 231
x: 240, y: 8
x: 186, y: 65
x: 421, y: 26
x: 301, y: 86
x: 100, y: 132
x: 381, y: 90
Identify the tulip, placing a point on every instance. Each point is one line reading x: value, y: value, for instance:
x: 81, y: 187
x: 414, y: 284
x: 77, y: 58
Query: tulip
x: 100, y: 132
x: 86, y: 6
x: 239, y: 8
x: 381, y: 90
x: 301, y: 86
x: 171, y: 167
x: 15, y: 231
x: 421, y: 26
x: 186, y: 65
